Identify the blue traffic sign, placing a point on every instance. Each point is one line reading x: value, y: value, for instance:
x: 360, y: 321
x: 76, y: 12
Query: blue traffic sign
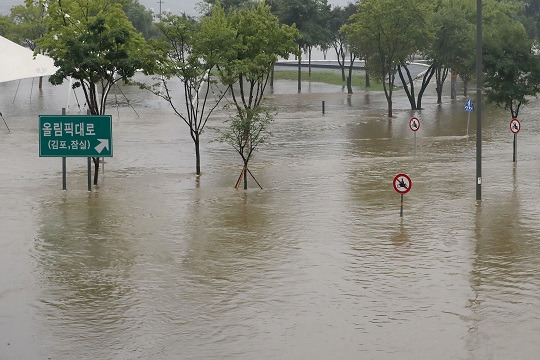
x: 469, y: 107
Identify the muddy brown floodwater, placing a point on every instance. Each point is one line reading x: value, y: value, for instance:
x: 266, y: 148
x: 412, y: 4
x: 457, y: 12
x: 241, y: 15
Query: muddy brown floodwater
x: 157, y: 264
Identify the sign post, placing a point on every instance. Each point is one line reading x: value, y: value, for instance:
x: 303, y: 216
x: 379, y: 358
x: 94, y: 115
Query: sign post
x: 469, y: 108
x: 414, y: 124
x: 64, y: 166
x: 515, y: 126
x: 75, y: 136
x: 402, y: 184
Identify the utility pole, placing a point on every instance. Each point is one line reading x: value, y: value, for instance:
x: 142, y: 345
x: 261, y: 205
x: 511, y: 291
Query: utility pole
x: 479, y: 88
x: 160, y: 2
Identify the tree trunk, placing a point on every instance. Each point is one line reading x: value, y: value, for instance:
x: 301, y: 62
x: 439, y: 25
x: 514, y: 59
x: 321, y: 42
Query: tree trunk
x: 245, y: 175
x: 349, y: 78
x: 407, y: 87
x: 388, y: 93
x: 425, y: 82
x: 272, y: 77
x: 465, y: 90
x: 453, y: 78
x: 197, y: 155
x: 299, y: 70
x: 440, y: 77
x: 367, y: 79
x: 40, y: 82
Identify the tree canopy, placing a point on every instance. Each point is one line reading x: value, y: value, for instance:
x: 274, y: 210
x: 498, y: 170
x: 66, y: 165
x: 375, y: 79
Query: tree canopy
x: 512, y: 71
x: 258, y: 43
x: 95, y: 44
x: 386, y: 33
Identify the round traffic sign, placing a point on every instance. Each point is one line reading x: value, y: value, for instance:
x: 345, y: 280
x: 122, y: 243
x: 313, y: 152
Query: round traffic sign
x: 515, y: 126
x: 414, y: 124
x: 402, y: 183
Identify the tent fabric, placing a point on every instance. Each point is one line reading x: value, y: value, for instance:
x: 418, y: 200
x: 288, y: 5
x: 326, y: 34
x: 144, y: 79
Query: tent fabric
x: 18, y: 62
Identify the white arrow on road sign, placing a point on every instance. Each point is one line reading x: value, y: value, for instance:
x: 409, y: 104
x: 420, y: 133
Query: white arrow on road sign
x: 103, y: 144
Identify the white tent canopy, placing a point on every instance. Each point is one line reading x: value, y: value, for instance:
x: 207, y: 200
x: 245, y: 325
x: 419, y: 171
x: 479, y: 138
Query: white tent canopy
x: 18, y: 62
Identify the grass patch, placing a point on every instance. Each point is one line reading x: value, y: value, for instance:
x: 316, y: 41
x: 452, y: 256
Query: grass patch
x: 328, y: 77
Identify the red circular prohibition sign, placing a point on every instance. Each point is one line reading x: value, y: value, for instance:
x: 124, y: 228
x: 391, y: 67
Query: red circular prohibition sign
x: 515, y: 126
x: 414, y: 124
x: 402, y: 183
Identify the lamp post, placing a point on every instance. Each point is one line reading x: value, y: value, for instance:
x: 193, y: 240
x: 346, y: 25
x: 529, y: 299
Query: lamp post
x: 479, y: 88
x: 160, y: 2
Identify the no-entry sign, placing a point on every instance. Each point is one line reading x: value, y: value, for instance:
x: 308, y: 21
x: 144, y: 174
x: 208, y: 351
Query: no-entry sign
x: 515, y: 126
x: 402, y: 183
x: 414, y: 124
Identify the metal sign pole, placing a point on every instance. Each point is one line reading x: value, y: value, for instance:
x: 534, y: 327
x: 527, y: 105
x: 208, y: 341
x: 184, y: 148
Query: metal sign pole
x: 89, y: 162
x: 515, y: 147
x: 468, y: 121
x: 89, y: 174
x: 64, y: 176
x: 401, y: 207
x: 479, y: 86
x: 415, y: 144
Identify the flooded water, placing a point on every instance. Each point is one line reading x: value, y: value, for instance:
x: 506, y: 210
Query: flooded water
x: 157, y: 264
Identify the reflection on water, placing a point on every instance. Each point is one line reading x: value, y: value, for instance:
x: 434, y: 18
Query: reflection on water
x: 159, y: 264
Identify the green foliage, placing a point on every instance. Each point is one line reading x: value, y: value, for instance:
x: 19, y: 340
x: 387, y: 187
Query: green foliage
x: 95, y: 44
x: 245, y: 66
x: 386, y: 33
x: 454, y: 40
x: 389, y: 31
x: 29, y: 22
x: 258, y: 43
x: 189, y: 50
x: 247, y: 130
x: 309, y: 16
x: 512, y: 71
x: 141, y: 18
x: 6, y: 27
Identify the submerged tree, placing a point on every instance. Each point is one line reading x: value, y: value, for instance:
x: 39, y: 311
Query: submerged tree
x: 189, y: 51
x: 258, y: 43
x: 309, y: 17
x: 94, y: 43
x: 512, y: 71
x: 419, y: 41
x: 382, y: 30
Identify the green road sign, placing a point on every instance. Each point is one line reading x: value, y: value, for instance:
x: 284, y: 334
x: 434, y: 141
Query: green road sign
x: 75, y: 136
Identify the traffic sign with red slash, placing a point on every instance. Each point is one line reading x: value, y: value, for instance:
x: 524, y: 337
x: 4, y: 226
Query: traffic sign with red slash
x: 515, y: 126
x: 402, y: 184
x: 414, y: 124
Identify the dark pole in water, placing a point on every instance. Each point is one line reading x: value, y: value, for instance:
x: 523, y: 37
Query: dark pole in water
x: 89, y: 164
x: 479, y: 86
x: 323, y: 107
x: 401, y: 207
x: 7, y: 127
x: 64, y: 179
x: 515, y: 147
